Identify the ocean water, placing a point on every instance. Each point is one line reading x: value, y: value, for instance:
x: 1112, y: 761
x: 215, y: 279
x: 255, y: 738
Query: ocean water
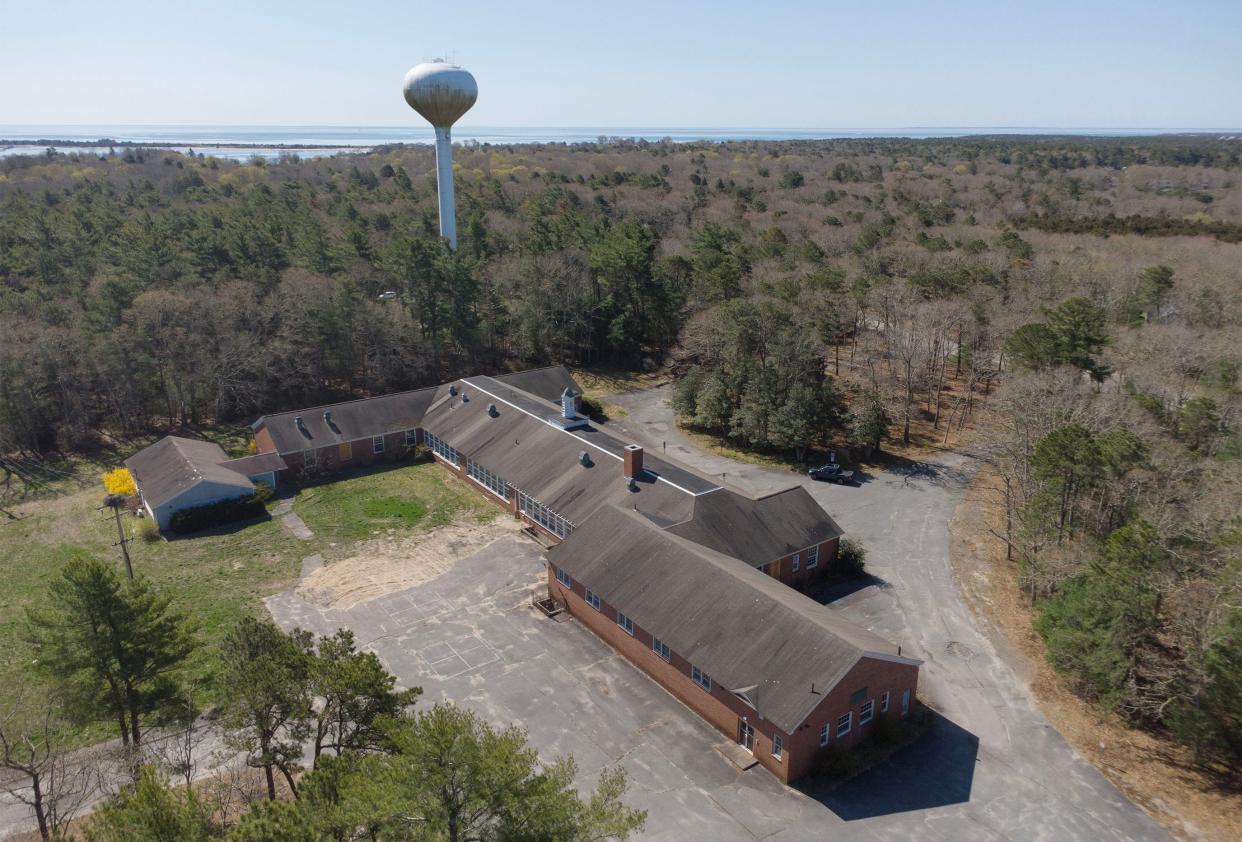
x: 244, y: 142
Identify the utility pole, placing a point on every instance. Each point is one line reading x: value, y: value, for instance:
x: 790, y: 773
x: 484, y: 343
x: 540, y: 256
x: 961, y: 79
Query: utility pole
x: 115, y: 502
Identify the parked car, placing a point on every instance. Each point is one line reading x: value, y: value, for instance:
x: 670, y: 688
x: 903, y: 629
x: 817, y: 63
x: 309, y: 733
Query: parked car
x: 387, y: 295
x: 832, y: 472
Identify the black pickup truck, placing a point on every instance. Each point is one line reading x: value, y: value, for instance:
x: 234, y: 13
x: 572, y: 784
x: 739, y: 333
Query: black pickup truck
x: 832, y: 472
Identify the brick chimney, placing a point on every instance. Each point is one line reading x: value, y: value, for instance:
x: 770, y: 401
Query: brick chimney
x: 633, y: 461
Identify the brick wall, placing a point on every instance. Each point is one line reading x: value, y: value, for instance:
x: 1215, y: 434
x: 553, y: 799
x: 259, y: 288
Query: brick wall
x: 875, y: 676
x: 722, y: 709
x: 263, y: 441
x: 804, y: 575
x: 718, y: 707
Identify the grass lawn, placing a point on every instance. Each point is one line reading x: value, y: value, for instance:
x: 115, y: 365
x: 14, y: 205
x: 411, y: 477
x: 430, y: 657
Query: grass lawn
x: 217, y: 576
x: 358, y: 505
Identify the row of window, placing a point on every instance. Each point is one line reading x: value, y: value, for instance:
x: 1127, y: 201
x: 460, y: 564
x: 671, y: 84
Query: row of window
x: 812, y: 559
x: 440, y: 448
x: 488, y: 480
x: 543, y: 516
x: 845, y: 722
x: 659, y: 647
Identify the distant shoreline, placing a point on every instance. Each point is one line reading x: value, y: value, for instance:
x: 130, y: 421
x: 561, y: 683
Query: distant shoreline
x: 107, y: 141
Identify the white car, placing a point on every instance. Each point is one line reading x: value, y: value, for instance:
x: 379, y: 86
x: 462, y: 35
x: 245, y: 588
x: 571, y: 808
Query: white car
x: 386, y: 295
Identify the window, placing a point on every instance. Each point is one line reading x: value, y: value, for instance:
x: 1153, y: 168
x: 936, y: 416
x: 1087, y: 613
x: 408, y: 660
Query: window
x: 701, y: 678
x: 812, y: 557
x: 543, y: 516
x: 626, y: 623
x: 563, y: 578
x: 867, y: 712
x: 884, y: 702
x: 858, y: 695
x: 660, y: 648
x: 844, y: 723
x: 905, y: 702
x: 796, y: 563
x: 823, y: 735
x: 488, y: 480
x: 592, y: 599
x: 778, y: 746
x: 377, y: 444
x: 411, y: 438
x: 310, y: 459
x: 439, y: 448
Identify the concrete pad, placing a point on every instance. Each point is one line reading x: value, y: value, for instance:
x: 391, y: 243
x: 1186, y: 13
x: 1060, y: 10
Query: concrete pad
x: 297, y: 527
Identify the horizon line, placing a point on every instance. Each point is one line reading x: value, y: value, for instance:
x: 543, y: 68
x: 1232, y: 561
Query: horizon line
x: 637, y: 127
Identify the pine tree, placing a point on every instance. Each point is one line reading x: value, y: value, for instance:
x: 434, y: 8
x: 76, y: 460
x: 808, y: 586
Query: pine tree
x: 111, y: 648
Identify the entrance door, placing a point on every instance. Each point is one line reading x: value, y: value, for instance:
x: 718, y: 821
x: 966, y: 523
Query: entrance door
x: 347, y: 451
x: 746, y: 735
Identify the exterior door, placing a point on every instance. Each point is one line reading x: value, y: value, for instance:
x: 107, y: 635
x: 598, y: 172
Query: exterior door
x: 746, y: 735
x: 347, y: 451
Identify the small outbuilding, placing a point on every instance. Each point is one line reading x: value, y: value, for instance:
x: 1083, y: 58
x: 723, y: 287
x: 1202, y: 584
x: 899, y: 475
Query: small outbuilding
x: 177, y: 473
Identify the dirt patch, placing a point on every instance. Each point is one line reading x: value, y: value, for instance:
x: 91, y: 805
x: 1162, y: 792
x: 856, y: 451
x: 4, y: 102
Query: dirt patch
x: 1152, y: 772
x: 393, y: 563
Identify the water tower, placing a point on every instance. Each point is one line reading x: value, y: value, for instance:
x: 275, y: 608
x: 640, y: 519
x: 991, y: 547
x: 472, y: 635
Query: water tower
x: 442, y: 92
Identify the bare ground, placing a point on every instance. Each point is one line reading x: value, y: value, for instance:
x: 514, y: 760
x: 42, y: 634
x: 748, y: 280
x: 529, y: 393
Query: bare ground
x: 1153, y: 772
x: 396, y: 562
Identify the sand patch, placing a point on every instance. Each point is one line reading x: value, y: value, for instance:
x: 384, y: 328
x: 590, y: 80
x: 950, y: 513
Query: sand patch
x: 393, y: 563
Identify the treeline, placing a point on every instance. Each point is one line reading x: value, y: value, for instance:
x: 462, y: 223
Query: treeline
x: 148, y: 291
x: 1121, y: 487
x: 343, y: 753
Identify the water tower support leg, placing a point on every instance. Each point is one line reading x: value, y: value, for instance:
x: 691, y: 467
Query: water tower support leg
x: 444, y: 185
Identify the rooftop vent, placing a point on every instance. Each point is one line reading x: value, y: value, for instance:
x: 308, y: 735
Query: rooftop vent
x: 453, y: 389
x: 465, y: 398
x: 301, y: 425
x: 569, y: 403
x: 631, y: 483
x: 491, y: 410
x: 584, y: 459
x: 327, y: 417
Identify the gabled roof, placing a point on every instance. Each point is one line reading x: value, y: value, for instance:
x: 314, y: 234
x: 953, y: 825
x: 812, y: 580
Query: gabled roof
x: 758, y: 530
x: 549, y: 382
x: 258, y: 463
x: 351, y: 420
x: 746, y: 630
x: 173, y: 465
x: 366, y: 417
x: 521, y: 444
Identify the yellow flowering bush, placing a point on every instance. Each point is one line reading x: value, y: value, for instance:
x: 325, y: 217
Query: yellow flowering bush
x: 120, y: 481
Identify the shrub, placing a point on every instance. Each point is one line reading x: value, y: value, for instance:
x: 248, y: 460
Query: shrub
x: 592, y: 408
x: 851, y: 557
x: 148, y: 531
x: 199, y: 518
x: 263, y: 492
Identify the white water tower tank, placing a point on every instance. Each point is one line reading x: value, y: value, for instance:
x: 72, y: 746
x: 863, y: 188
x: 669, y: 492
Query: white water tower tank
x: 442, y: 93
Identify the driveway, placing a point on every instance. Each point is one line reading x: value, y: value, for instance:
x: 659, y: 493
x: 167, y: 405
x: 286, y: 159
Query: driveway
x: 1027, y: 783
x: 990, y: 768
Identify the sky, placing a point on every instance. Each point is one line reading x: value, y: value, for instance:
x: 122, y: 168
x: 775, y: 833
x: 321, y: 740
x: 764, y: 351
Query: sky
x: 727, y: 64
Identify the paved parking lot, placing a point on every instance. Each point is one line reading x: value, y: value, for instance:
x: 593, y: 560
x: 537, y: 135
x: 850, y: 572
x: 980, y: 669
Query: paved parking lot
x: 472, y: 637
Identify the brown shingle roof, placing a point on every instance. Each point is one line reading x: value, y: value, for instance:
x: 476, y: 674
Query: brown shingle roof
x: 745, y: 629
x: 351, y: 420
x: 174, y: 465
x: 758, y: 530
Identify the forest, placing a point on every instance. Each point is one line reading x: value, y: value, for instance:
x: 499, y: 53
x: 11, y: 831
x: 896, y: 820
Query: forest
x: 1074, y: 302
